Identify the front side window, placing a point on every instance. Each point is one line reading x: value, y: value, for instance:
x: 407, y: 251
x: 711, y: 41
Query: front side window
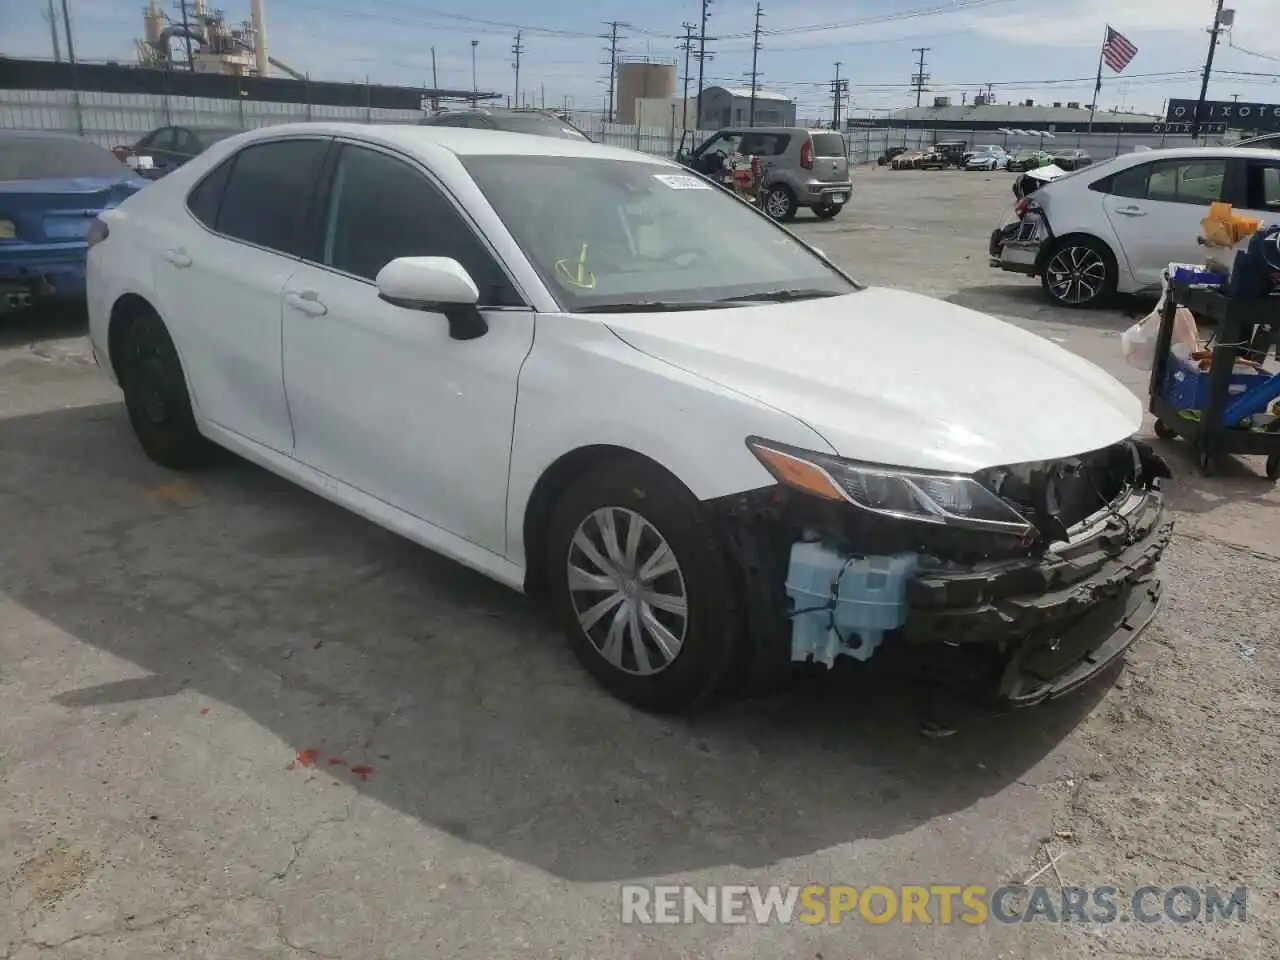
x: 268, y: 191
x: 382, y: 208
x: 605, y: 233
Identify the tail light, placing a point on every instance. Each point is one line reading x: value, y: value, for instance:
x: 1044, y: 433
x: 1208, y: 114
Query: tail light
x: 97, y: 232
x: 806, y: 155
x: 755, y: 166
x: 1020, y: 208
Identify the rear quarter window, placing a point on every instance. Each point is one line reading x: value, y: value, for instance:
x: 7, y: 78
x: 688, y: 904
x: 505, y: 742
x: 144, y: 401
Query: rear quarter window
x: 268, y: 192
x: 206, y: 197
x: 828, y: 145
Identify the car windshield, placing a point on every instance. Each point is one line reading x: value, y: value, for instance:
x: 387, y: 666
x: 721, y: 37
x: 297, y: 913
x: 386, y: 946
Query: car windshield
x: 534, y: 123
x: 605, y: 233
x: 56, y: 158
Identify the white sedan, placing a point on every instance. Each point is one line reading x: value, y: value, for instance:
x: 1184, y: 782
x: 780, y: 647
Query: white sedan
x: 542, y: 358
x: 1115, y: 226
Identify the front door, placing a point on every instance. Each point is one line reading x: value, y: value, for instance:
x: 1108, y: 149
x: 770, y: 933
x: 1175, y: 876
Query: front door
x: 382, y: 397
x: 1155, y: 210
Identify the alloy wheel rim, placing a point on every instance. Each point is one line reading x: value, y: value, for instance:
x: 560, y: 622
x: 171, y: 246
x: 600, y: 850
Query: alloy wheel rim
x: 777, y: 204
x: 628, y: 591
x: 1076, y: 274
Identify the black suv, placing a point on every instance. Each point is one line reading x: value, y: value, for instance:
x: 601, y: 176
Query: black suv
x: 540, y: 122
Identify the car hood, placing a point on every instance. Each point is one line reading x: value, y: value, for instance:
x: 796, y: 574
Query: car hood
x: 890, y: 377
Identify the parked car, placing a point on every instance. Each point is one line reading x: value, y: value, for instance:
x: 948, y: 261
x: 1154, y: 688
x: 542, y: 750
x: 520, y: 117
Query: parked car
x: 1025, y: 160
x: 1268, y: 141
x: 167, y: 148
x: 541, y: 122
x: 51, y: 188
x: 1113, y: 227
x: 908, y: 160
x: 885, y: 158
x: 711, y: 417
x: 933, y: 159
x: 952, y: 151
x: 1072, y: 159
x: 988, y: 158
x: 798, y: 167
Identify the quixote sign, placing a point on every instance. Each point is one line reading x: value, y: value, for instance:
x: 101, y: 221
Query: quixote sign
x: 1223, y: 114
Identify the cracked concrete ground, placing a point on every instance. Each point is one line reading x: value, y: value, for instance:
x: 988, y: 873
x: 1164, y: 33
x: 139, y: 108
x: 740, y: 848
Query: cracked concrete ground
x: 240, y: 723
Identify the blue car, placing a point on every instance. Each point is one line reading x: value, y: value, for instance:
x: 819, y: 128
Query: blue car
x: 51, y: 188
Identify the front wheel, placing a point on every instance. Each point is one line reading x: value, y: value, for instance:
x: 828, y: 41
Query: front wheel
x: 827, y: 211
x: 640, y: 584
x: 780, y: 204
x: 1079, y: 272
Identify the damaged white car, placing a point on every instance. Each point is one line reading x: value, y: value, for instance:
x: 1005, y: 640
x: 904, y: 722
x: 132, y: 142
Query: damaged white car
x: 543, y: 358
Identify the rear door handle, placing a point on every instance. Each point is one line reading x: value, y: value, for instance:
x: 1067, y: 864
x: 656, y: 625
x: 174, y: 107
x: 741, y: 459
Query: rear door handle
x: 177, y: 258
x: 308, y: 301
x: 1131, y: 211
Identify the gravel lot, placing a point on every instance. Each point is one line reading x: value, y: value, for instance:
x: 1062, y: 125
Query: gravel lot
x: 241, y: 723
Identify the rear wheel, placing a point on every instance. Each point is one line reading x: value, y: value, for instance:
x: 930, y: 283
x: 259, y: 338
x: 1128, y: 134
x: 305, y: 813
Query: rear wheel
x: 640, y: 584
x: 780, y: 203
x: 1079, y: 272
x: 1164, y: 431
x: 827, y: 210
x: 155, y: 394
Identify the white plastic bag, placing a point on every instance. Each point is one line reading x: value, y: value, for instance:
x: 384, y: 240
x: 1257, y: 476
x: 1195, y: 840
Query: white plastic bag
x: 1138, y: 343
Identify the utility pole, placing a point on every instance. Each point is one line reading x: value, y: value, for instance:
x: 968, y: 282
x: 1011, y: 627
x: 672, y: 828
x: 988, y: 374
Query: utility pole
x: 1208, y: 68
x: 920, y: 78
x: 686, y: 44
x: 435, y: 82
x: 71, y: 58
x: 53, y: 33
x: 517, y: 48
x: 755, y: 74
x: 838, y: 87
x: 703, y: 56
x: 612, y: 37
x: 186, y: 35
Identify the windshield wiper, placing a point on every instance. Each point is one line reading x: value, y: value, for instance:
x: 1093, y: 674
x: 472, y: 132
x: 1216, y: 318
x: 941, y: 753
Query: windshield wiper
x: 777, y: 296
x: 654, y: 306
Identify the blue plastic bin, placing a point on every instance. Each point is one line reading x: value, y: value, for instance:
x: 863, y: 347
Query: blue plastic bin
x: 1186, y: 388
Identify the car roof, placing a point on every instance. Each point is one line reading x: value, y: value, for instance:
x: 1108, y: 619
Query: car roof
x: 460, y: 141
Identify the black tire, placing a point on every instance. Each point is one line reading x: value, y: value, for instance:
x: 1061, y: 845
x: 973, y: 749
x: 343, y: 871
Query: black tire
x: 1273, y: 467
x: 1164, y: 431
x: 1082, y: 288
x: 827, y: 211
x: 155, y: 395
x: 780, y: 203
x: 1206, y: 463
x: 713, y: 618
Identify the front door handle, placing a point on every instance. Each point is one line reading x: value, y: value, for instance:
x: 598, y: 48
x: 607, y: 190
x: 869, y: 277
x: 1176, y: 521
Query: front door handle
x: 308, y: 301
x: 177, y: 257
x: 1131, y: 211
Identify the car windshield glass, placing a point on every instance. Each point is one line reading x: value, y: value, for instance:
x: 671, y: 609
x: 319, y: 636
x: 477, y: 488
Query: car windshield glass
x: 547, y: 126
x: 55, y: 158
x: 602, y: 232
x: 828, y: 145
x: 209, y: 137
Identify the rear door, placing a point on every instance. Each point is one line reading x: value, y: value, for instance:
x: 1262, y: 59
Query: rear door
x: 1155, y: 210
x: 830, y: 158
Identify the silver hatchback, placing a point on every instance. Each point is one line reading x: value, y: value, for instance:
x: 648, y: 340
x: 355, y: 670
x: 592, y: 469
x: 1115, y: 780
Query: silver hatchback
x: 798, y: 167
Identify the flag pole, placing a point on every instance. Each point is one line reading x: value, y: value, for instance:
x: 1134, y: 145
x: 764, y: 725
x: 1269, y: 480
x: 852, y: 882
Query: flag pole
x: 1097, y: 87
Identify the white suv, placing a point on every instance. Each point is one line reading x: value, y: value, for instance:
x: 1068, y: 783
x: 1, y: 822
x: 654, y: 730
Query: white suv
x: 1113, y: 227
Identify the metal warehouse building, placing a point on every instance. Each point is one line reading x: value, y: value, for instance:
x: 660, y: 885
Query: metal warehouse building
x: 1071, y: 117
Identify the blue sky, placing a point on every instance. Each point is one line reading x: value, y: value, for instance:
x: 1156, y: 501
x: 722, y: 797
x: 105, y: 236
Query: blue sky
x: 1023, y: 47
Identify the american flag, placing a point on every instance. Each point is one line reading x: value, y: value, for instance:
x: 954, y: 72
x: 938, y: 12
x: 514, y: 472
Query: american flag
x: 1117, y: 50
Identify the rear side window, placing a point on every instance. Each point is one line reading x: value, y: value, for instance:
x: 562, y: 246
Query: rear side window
x: 206, y: 198
x: 381, y: 208
x: 828, y: 145
x: 1262, y: 183
x: 267, y: 193
x: 1186, y: 181
x: 765, y: 144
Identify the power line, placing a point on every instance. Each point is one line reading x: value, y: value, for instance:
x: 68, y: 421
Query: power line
x: 517, y: 49
x: 686, y: 44
x: 702, y: 55
x: 612, y: 37
x: 918, y: 80
x: 838, y: 89
x: 918, y: 13
x: 755, y: 73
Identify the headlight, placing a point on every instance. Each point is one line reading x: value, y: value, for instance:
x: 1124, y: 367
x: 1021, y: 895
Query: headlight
x: 941, y: 498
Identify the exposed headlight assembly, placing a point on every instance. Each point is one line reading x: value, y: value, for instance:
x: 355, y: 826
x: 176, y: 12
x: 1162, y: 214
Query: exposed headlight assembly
x: 942, y: 498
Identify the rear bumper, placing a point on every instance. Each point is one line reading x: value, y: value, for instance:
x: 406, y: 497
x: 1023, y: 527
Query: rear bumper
x: 820, y: 194
x: 40, y: 272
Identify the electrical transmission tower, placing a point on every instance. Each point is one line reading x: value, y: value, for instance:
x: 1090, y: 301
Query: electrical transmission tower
x: 839, y: 88
x: 517, y: 49
x: 920, y: 78
x: 755, y: 73
x: 612, y: 37
x: 702, y: 55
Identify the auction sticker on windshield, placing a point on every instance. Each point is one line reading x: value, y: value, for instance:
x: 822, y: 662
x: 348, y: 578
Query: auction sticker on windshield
x: 677, y: 181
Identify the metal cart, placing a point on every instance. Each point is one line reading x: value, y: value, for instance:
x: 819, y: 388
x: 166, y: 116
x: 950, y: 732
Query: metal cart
x: 1239, y: 322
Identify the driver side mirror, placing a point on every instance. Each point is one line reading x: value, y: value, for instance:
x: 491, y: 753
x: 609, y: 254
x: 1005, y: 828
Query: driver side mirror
x: 434, y: 285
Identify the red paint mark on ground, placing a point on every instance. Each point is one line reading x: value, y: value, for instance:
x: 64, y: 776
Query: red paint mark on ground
x: 204, y: 711
x: 336, y: 762
x: 363, y: 771
x: 308, y: 757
